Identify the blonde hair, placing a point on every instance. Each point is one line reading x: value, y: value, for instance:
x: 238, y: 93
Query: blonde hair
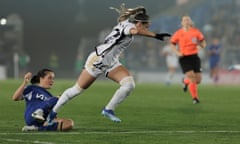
x: 125, y: 13
x: 192, y: 23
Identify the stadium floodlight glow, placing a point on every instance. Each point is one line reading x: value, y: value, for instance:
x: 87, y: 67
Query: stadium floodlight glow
x: 3, y: 21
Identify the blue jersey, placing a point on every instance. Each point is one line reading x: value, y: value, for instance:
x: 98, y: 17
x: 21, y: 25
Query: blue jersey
x: 37, y: 97
x: 215, y: 55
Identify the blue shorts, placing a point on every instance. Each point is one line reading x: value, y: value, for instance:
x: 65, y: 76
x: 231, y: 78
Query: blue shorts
x: 53, y: 127
x: 213, y: 61
x: 46, y: 106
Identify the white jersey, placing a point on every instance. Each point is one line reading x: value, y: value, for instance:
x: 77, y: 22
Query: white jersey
x: 106, y: 55
x: 119, y: 38
x: 171, y: 57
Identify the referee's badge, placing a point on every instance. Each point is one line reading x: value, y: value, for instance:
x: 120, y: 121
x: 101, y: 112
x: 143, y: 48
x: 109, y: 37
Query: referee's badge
x: 194, y: 40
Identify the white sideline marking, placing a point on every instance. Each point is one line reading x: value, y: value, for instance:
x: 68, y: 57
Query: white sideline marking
x: 119, y: 132
x: 24, y: 141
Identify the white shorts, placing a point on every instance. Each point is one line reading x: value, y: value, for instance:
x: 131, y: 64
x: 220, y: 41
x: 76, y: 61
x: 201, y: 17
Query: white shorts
x: 172, y: 61
x: 93, y: 70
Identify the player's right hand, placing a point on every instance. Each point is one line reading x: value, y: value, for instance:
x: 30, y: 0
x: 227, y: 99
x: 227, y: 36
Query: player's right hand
x: 27, y: 77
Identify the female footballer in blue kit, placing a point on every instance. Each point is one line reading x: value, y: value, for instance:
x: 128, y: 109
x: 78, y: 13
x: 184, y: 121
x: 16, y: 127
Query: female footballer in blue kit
x: 105, y: 60
x: 39, y: 102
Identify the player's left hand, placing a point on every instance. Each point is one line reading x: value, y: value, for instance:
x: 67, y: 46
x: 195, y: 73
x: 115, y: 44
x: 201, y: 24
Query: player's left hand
x: 50, y: 119
x: 162, y: 36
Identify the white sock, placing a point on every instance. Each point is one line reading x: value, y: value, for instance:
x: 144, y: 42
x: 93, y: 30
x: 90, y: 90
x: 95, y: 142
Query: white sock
x: 67, y: 95
x: 127, y: 85
x: 168, y: 78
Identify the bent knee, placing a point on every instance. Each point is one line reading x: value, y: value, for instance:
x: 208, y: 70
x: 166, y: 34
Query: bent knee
x: 67, y: 124
x: 128, y: 83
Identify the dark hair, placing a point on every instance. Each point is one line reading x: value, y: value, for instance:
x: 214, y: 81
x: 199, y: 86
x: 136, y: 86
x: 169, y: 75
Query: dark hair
x: 140, y: 17
x: 40, y: 74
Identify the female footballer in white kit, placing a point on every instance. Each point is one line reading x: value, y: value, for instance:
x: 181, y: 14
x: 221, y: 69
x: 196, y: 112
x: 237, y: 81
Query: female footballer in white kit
x: 105, y: 59
x: 171, y: 62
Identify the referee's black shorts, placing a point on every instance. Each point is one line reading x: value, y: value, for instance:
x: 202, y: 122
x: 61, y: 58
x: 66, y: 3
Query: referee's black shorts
x: 190, y: 62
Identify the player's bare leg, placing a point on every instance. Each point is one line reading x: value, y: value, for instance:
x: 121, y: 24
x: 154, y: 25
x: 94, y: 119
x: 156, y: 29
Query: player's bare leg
x: 122, y: 76
x: 83, y: 82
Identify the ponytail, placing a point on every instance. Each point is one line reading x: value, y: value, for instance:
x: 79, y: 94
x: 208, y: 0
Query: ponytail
x: 125, y: 13
x: 35, y: 79
x: 42, y: 73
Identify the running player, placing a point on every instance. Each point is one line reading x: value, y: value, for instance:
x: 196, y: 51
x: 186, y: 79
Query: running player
x: 105, y: 60
x: 39, y: 102
x: 171, y: 62
x: 189, y: 39
x: 214, y: 52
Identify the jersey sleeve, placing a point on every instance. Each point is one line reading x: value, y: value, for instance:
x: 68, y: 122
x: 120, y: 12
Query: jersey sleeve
x: 200, y: 35
x: 128, y: 27
x: 174, y: 38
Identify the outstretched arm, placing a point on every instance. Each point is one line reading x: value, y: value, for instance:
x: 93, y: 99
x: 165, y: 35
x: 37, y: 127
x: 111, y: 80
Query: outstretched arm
x: 18, y: 94
x: 145, y: 32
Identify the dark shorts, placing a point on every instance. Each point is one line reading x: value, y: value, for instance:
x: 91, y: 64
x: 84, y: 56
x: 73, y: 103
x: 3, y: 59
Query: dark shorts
x: 189, y: 63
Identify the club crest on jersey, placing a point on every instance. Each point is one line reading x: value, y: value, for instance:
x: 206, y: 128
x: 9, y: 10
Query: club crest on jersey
x: 194, y: 40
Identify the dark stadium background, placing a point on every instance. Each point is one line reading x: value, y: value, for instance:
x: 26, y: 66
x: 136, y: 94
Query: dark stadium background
x: 61, y: 26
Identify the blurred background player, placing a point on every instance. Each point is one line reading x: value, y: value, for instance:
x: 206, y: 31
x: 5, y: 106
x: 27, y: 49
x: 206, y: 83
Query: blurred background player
x: 171, y: 62
x: 189, y: 40
x: 39, y: 102
x: 105, y: 60
x: 214, y: 53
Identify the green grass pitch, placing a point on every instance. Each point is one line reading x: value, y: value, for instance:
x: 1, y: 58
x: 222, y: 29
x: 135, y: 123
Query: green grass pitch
x: 152, y: 114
